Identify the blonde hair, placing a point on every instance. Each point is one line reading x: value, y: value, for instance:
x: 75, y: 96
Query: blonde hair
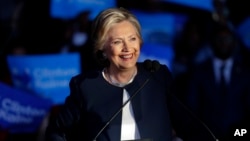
x: 105, y: 20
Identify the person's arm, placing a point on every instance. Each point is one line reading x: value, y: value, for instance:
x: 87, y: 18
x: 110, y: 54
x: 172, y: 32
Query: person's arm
x: 60, y: 125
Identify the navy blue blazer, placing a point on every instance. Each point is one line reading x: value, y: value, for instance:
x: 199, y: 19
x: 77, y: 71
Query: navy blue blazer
x: 93, y: 101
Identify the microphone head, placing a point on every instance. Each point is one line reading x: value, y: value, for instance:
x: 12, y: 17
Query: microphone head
x: 155, y: 65
x: 151, y: 65
x: 147, y: 64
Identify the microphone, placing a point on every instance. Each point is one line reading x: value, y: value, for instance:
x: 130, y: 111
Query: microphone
x: 155, y: 66
x: 152, y: 66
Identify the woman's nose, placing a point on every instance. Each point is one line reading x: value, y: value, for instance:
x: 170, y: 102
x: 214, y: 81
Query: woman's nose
x: 125, y: 46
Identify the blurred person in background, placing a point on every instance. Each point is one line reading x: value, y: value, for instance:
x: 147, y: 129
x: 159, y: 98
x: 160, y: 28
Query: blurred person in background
x: 219, y: 88
x: 76, y: 33
x: 191, y: 48
x: 101, y: 96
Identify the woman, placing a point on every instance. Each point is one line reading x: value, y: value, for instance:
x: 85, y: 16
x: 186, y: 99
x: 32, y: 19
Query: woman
x: 97, y: 107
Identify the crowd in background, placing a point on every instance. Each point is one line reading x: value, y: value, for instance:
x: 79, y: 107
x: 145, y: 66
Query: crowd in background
x: 39, y: 34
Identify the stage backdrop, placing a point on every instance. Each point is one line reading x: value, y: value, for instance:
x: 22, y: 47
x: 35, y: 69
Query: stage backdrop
x: 45, y: 75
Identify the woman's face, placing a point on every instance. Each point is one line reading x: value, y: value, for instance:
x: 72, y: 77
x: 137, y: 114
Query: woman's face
x: 122, y: 46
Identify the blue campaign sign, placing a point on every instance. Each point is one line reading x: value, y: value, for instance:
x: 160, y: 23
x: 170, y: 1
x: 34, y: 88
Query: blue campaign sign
x: 46, y: 75
x: 244, y: 32
x: 164, y: 54
x: 69, y: 9
x: 159, y: 27
x: 200, y: 4
x: 21, y: 112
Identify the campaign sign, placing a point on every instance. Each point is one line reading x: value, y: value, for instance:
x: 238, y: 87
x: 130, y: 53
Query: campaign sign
x: 200, y: 4
x: 164, y: 54
x: 159, y: 27
x: 21, y: 112
x: 46, y: 75
x: 69, y: 9
x: 244, y: 32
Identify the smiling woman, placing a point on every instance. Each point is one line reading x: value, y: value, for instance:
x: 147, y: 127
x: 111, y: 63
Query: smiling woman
x: 114, y: 102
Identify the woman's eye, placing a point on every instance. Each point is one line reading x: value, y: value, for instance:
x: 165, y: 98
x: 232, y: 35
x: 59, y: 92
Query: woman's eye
x: 116, y: 42
x: 133, y: 39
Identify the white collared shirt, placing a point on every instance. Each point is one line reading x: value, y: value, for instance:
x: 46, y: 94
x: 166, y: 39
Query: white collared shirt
x: 227, y: 71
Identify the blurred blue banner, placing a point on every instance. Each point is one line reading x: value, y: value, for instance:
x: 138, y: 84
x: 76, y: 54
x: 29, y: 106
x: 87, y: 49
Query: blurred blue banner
x: 45, y: 75
x: 160, y: 27
x: 164, y: 54
x: 68, y: 9
x: 200, y: 4
x: 21, y: 112
x: 243, y: 31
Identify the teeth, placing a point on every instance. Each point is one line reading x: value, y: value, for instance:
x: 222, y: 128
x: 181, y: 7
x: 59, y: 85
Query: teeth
x: 127, y: 56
